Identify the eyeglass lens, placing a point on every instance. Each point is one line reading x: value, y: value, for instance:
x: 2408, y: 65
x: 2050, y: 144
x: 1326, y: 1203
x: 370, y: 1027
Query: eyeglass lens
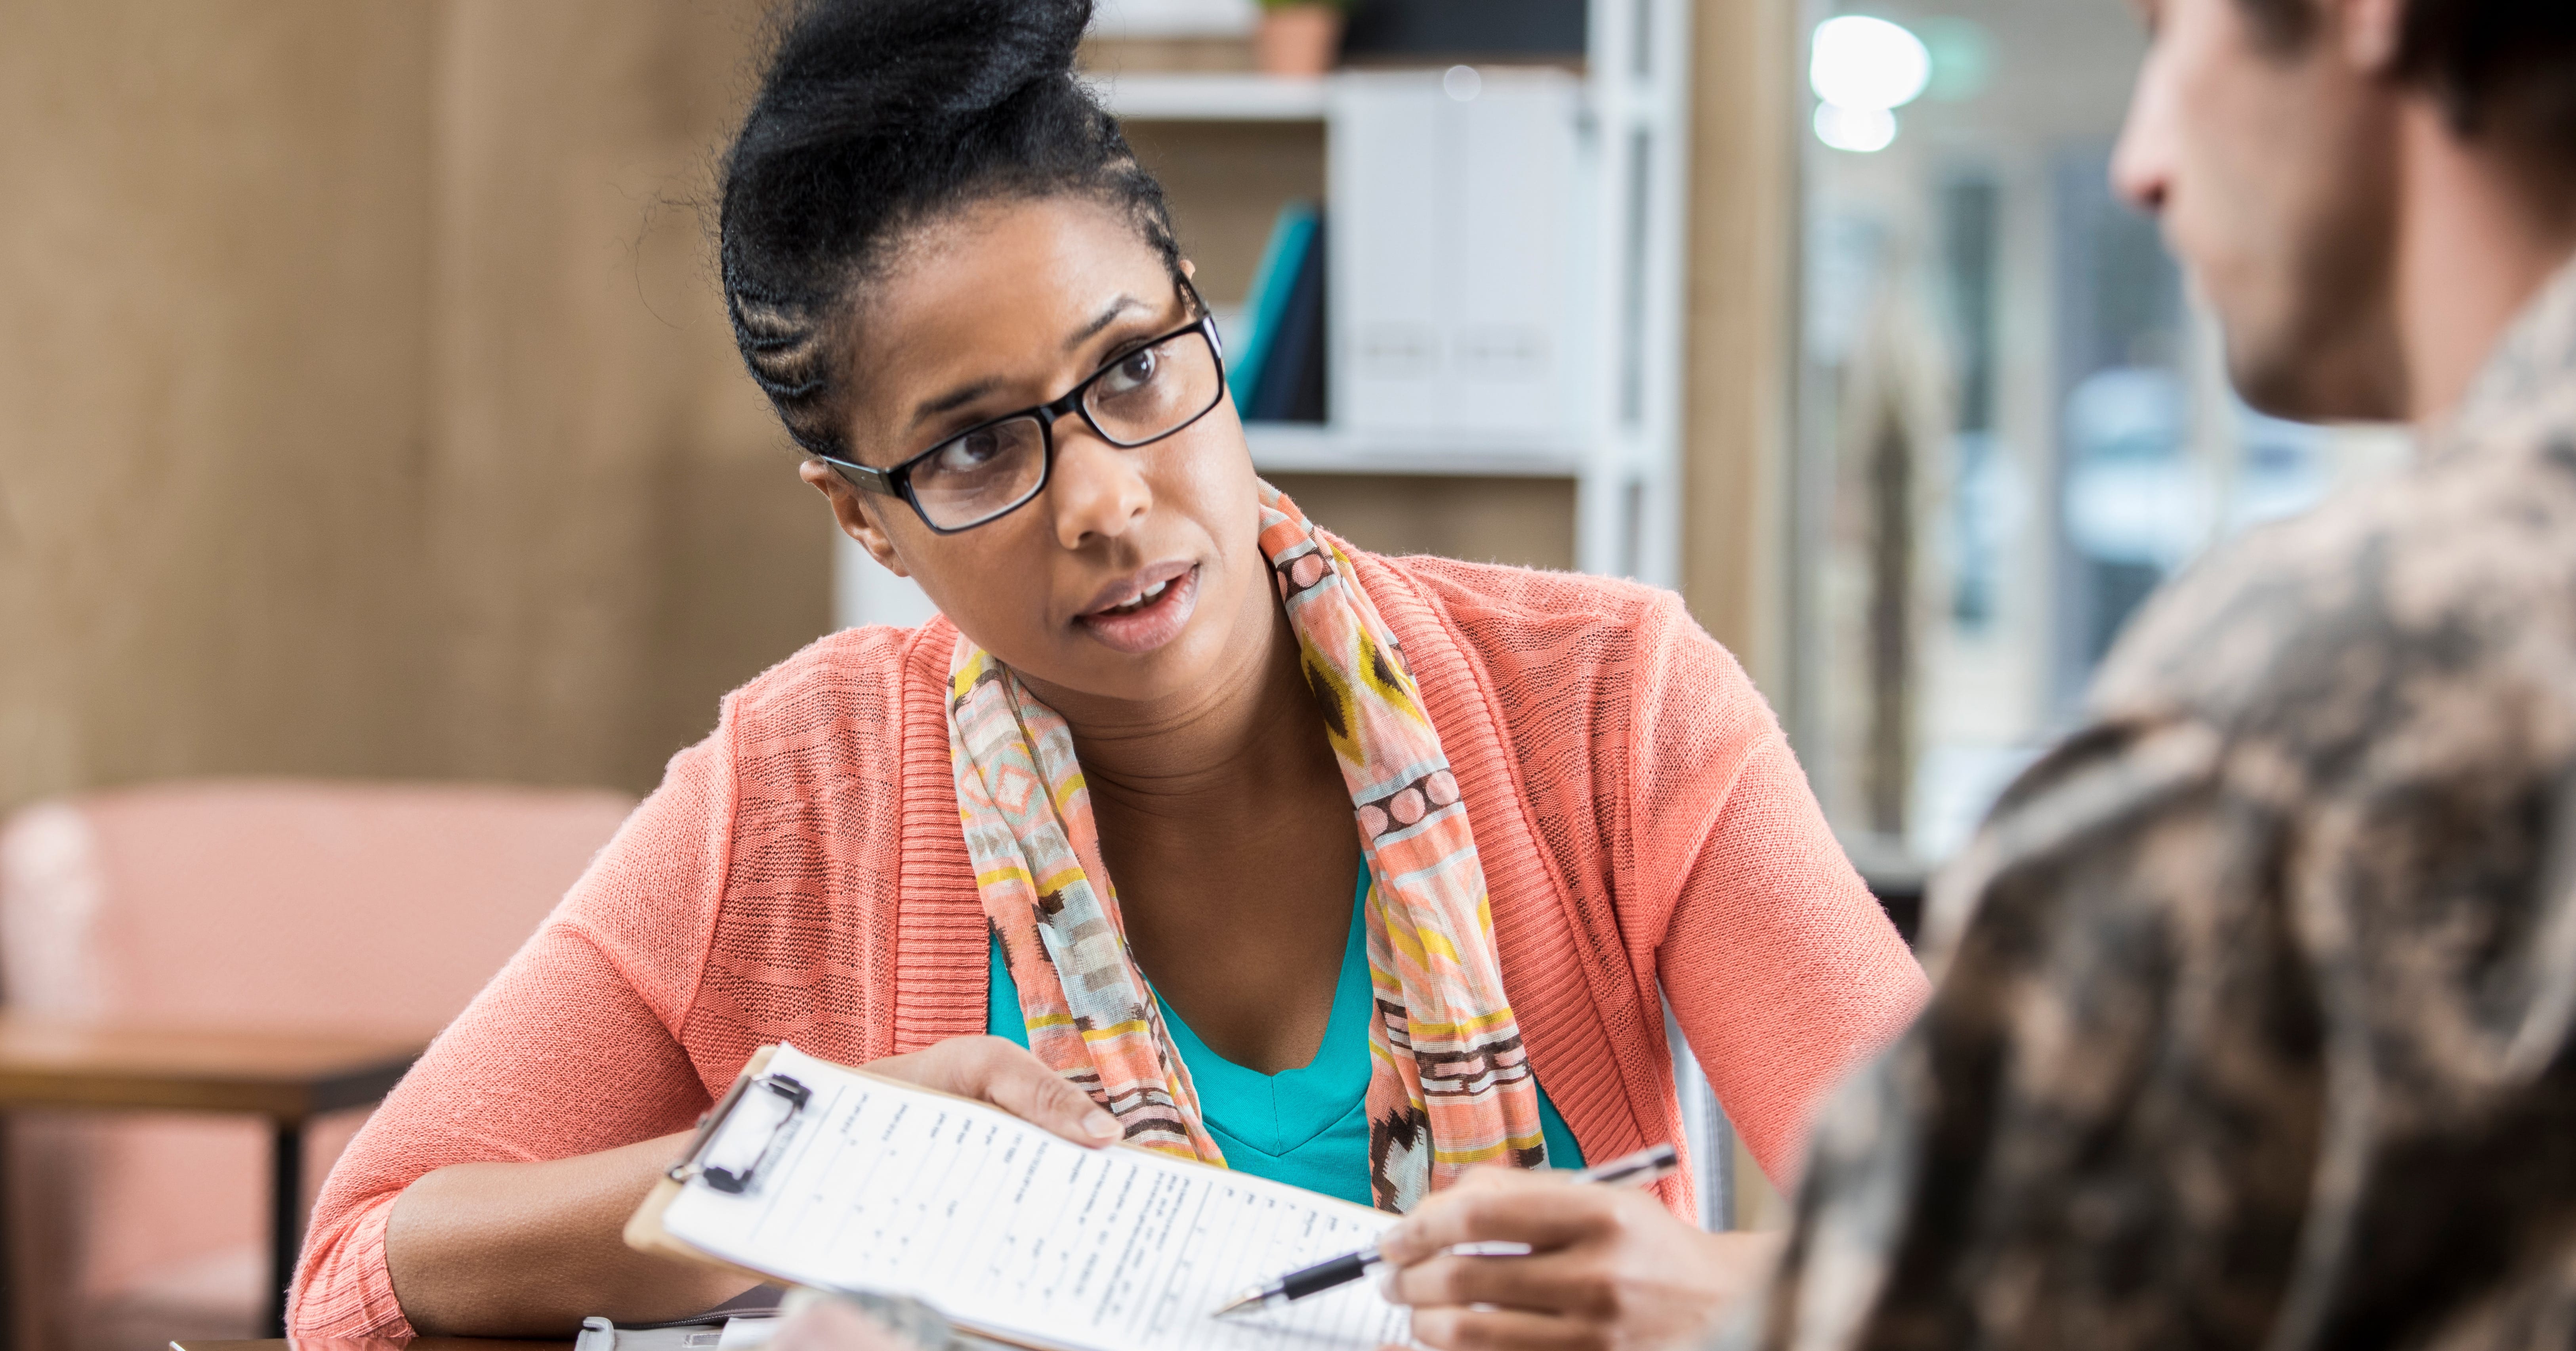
x: 1146, y: 394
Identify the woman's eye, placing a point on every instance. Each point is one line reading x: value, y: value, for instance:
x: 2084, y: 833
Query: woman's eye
x: 1133, y: 371
x: 970, y: 452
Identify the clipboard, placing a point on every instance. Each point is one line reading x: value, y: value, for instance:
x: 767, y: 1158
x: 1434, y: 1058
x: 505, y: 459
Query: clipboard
x: 644, y: 1232
x: 755, y: 1130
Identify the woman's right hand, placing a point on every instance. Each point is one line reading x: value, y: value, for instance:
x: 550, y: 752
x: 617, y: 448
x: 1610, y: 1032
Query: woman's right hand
x: 527, y: 1249
x: 992, y: 1070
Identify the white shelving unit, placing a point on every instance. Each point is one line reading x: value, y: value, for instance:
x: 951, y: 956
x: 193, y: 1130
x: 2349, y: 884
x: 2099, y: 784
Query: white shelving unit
x: 1212, y: 98
x: 1294, y: 448
x: 1624, y: 450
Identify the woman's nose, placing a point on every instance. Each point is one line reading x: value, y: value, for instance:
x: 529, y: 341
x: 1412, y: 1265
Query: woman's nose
x: 1097, y: 490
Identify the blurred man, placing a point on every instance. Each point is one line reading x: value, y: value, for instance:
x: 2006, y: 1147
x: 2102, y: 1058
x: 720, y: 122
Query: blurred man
x: 2256, y: 996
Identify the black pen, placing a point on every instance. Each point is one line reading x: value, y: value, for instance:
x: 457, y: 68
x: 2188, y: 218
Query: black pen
x: 1633, y: 1170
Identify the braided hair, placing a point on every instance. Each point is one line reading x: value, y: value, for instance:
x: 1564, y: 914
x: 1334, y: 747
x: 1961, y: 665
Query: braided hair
x: 876, y: 117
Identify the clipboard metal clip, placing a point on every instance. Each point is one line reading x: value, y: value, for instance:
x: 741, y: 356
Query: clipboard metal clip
x: 738, y: 1134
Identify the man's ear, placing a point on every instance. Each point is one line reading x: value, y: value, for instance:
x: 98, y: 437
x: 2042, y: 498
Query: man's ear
x: 855, y: 514
x: 2371, y: 33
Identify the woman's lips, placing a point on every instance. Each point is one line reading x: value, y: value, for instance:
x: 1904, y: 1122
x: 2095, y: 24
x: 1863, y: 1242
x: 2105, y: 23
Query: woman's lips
x: 1151, y: 624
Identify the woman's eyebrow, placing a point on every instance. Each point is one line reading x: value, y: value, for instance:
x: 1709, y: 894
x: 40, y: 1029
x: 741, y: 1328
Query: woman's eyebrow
x: 1107, y: 317
x: 966, y: 394
x: 948, y: 402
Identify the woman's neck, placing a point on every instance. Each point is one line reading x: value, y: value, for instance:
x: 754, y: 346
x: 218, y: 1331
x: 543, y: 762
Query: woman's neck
x: 1253, y: 722
x: 1227, y: 831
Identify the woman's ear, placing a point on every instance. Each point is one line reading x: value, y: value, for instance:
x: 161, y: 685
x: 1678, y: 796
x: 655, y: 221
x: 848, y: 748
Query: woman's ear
x: 1189, y: 269
x: 856, y: 515
x: 2372, y: 32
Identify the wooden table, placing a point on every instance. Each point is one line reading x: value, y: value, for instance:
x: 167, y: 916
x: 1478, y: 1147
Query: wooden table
x: 287, y: 1079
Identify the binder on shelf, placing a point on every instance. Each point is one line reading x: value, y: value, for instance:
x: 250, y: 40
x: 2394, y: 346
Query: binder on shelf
x: 1272, y: 280
x: 818, y: 1175
x: 1290, y: 387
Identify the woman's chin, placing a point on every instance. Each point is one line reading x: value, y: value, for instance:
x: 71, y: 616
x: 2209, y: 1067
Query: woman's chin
x: 1151, y: 626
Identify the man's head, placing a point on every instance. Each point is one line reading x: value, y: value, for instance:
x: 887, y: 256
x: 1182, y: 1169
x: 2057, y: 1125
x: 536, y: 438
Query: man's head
x: 2269, y: 135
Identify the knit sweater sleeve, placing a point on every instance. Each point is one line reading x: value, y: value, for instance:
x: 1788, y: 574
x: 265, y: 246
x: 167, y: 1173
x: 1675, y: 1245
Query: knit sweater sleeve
x: 1781, y: 968
x: 573, y: 1048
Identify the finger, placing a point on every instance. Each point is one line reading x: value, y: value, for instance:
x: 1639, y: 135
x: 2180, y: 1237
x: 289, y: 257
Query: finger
x: 1541, y: 1212
x: 1454, y: 1329
x: 1011, y: 1078
x: 1565, y: 1284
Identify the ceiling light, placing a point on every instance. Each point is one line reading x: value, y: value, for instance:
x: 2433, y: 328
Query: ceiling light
x: 1863, y: 63
x: 1862, y: 130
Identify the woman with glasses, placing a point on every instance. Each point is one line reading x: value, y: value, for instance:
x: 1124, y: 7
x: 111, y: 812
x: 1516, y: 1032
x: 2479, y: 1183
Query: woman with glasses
x: 1185, y: 824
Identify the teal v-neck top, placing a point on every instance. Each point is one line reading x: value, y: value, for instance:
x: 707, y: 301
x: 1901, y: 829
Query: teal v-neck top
x: 1307, y: 1127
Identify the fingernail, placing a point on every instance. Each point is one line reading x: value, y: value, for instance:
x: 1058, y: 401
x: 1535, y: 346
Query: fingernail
x: 1101, y: 1126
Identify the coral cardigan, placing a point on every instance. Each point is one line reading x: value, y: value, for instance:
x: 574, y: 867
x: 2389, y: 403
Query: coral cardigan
x: 800, y: 876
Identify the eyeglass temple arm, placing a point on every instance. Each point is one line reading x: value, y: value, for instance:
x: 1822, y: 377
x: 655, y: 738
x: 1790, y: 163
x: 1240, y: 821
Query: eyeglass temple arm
x: 860, y: 475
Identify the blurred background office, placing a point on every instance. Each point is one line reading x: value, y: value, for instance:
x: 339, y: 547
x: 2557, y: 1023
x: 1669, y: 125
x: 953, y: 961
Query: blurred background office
x: 2011, y: 418
x: 377, y: 474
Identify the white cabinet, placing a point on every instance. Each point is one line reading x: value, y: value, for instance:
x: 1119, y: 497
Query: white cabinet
x: 1453, y: 269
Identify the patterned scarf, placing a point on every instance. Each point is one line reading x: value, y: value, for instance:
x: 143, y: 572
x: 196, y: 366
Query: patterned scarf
x: 1449, y: 1082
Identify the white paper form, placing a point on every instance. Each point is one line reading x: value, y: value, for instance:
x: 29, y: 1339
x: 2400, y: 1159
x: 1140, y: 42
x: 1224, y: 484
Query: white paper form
x: 1014, y: 1232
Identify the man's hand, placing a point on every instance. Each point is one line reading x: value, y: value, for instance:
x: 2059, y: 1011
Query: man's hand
x: 833, y: 1325
x: 989, y: 1069
x: 860, y: 1322
x: 1608, y: 1267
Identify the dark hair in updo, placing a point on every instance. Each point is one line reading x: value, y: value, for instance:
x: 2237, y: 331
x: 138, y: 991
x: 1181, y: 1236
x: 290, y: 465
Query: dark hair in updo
x: 874, y: 117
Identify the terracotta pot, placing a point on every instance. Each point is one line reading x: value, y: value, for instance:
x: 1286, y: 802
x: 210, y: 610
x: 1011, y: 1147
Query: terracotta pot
x: 1298, y: 40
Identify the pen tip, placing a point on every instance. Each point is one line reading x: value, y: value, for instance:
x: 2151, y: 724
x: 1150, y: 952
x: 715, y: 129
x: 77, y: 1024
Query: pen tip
x: 1250, y: 1299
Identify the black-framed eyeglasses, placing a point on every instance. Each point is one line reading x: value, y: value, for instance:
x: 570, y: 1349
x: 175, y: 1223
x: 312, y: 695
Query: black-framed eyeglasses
x: 994, y: 468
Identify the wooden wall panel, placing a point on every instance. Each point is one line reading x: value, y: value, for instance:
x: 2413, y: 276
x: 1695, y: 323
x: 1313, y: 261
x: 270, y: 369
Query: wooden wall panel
x: 1738, y: 325
x: 1525, y: 521
x: 617, y: 515
x: 366, y: 406
x: 1226, y: 183
x: 213, y: 267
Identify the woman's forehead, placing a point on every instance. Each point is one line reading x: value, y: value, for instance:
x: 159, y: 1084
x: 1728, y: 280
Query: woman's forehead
x: 1023, y: 273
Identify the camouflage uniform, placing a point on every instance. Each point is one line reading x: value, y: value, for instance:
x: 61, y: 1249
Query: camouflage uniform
x: 2256, y: 1022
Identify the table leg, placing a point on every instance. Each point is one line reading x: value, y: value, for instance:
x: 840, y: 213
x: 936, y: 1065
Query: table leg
x: 8, y: 1249
x: 286, y: 1220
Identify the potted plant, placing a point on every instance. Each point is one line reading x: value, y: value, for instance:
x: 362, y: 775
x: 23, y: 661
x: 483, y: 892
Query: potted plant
x: 1299, y: 37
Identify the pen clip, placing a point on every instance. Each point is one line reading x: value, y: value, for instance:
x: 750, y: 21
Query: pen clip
x: 1649, y: 1165
x: 716, y: 1157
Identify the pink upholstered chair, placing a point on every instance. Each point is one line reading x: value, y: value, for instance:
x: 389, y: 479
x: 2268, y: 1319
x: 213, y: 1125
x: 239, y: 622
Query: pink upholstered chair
x: 283, y: 906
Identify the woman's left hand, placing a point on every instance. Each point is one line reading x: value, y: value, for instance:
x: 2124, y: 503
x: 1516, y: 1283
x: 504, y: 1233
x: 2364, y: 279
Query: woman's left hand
x: 1608, y: 1267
